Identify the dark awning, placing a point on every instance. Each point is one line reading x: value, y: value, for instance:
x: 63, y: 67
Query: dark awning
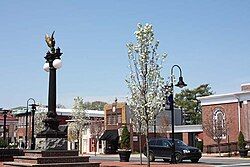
x: 110, y: 135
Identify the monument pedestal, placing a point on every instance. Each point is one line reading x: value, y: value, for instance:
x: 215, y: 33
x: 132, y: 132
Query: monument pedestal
x: 51, y: 144
x: 49, y: 158
x: 51, y: 151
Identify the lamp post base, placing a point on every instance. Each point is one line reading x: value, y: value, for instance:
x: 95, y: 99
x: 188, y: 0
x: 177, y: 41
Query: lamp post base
x: 51, y: 144
x: 50, y: 133
x: 52, y: 130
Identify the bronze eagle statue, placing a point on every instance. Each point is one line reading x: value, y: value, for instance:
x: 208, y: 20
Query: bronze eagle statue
x: 50, y: 41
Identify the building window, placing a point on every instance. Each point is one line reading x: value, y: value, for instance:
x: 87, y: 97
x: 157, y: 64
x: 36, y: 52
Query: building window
x: 219, y: 126
x: 109, y: 119
x: 119, y: 118
x: 84, y: 131
x: 112, y: 119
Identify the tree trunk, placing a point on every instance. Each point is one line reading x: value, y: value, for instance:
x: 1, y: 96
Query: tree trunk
x: 219, y: 148
x: 97, y: 142
x: 147, y: 144
x: 95, y: 146
x: 140, y: 143
x: 80, y: 142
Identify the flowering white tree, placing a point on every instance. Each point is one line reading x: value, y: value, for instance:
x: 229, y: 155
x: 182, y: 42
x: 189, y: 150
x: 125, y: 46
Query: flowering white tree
x: 79, y: 122
x: 96, y: 129
x: 145, y: 81
x: 164, y: 125
x: 40, y: 115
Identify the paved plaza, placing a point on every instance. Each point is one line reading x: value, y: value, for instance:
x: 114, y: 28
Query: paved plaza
x: 207, y: 160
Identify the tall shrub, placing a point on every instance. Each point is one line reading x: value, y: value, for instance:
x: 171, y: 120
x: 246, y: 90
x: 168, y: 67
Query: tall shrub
x: 125, y: 138
x: 241, y: 141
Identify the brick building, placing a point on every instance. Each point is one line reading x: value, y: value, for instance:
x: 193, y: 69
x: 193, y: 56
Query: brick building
x: 115, y: 116
x: 229, y: 111
x: 11, y: 125
x: 118, y: 114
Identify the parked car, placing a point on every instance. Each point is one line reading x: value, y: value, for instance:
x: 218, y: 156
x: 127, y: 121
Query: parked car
x: 161, y: 148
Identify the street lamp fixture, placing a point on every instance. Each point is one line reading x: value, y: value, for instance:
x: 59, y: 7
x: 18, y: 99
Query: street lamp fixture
x: 26, y: 126
x: 33, y: 140
x: 170, y: 99
x: 53, y: 62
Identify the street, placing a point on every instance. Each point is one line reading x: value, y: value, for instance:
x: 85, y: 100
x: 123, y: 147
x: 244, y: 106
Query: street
x: 225, y: 161
x: 205, y: 160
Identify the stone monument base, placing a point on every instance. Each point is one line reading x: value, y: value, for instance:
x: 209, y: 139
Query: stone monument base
x: 51, y: 144
x: 51, y: 158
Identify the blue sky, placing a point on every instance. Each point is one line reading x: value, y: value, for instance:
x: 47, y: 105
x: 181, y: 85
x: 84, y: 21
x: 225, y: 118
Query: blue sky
x: 210, y: 40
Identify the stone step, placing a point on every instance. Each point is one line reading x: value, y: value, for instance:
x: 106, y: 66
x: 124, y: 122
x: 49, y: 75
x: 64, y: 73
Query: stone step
x: 50, y: 153
x: 46, y: 160
x: 77, y: 164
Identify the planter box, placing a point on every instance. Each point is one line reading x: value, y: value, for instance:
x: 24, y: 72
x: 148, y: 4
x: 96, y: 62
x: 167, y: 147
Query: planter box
x: 124, y: 155
x: 243, y: 152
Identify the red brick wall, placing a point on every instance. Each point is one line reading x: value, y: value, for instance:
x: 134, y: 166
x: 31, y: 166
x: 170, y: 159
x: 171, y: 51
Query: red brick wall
x: 62, y: 119
x: 21, y: 132
x: 245, y: 116
x: 185, y: 137
x: 231, y: 113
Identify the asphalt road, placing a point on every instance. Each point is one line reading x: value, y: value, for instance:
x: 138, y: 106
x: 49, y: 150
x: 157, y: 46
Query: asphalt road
x: 206, y: 160
x: 226, y: 162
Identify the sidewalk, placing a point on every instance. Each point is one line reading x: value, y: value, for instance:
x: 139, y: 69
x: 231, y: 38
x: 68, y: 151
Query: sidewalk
x: 116, y: 163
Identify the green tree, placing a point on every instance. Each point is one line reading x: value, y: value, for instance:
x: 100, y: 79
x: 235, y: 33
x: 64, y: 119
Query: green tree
x: 241, y: 141
x: 125, y: 138
x: 96, y: 105
x: 60, y: 106
x: 145, y: 81
x: 187, y: 100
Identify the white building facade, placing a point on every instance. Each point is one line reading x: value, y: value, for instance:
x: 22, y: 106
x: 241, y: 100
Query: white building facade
x: 90, y: 143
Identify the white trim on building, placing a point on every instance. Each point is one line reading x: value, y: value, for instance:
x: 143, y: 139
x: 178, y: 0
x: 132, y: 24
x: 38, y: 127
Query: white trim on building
x: 186, y: 128
x: 225, y: 98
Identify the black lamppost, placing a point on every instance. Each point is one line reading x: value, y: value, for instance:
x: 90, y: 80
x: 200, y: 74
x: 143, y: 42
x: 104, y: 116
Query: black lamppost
x: 4, y: 123
x: 53, y: 62
x: 33, y: 141
x: 26, y: 126
x: 170, y: 98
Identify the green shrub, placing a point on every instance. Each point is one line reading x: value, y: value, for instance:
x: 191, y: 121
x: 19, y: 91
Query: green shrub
x: 3, y: 143
x: 241, y: 141
x: 199, y: 144
x: 125, y: 138
x: 12, y: 145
